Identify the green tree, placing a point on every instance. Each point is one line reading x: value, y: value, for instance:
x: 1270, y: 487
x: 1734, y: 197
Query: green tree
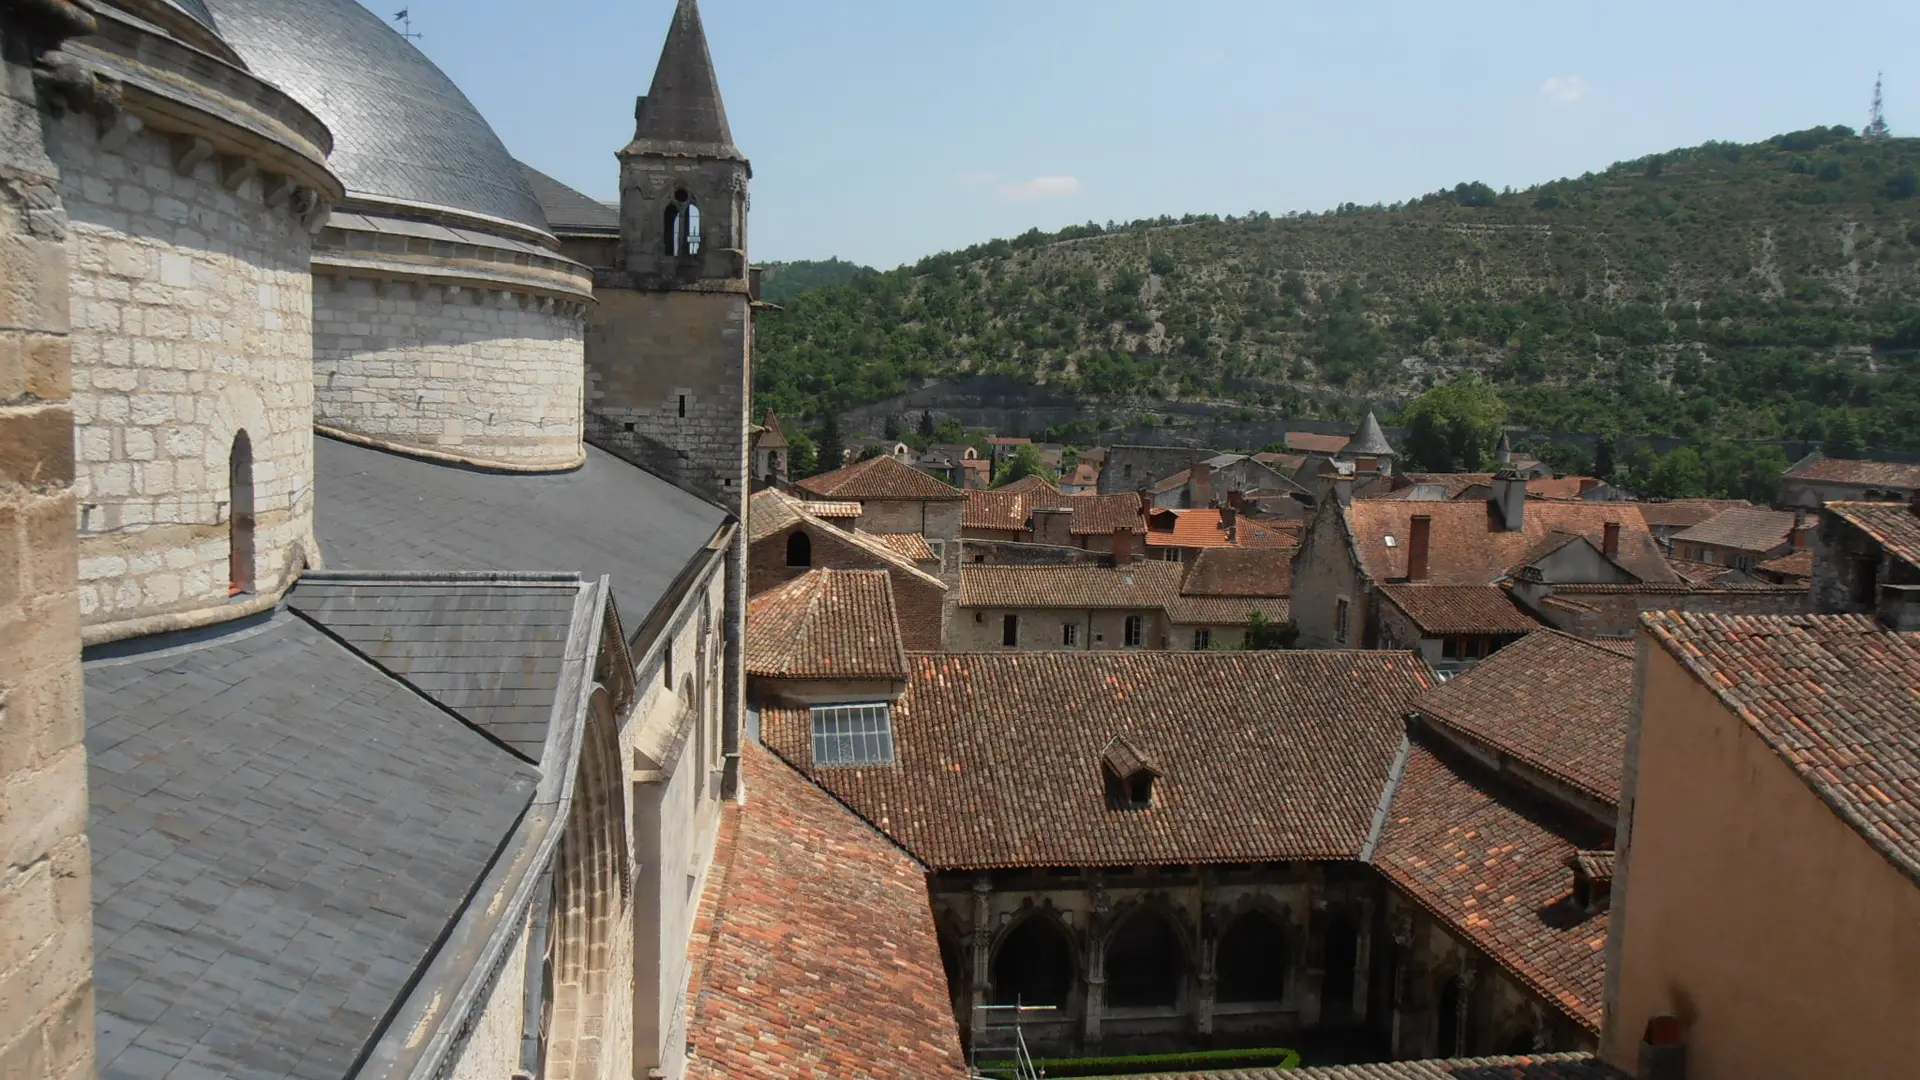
x: 1844, y: 437
x: 833, y: 449
x: 926, y: 424
x: 803, y: 457
x: 1264, y: 633
x: 871, y: 452
x: 1455, y: 426
x: 1025, y: 462
x: 1565, y: 458
x: 891, y: 428
x: 1677, y: 475
x: 1603, y: 466
x: 948, y: 432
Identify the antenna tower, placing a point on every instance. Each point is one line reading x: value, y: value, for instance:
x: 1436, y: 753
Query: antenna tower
x: 1877, y: 118
x: 405, y: 18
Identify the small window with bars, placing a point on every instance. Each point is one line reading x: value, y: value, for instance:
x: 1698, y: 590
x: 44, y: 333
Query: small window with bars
x: 1136, y: 631
x: 852, y: 735
x: 1069, y: 633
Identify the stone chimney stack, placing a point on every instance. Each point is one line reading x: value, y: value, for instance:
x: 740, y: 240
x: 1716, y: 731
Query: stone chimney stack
x: 1230, y: 521
x: 1610, y: 539
x: 1122, y: 547
x: 1335, y: 488
x: 1509, y: 500
x: 1419, y: 540
x: 1202, y: 484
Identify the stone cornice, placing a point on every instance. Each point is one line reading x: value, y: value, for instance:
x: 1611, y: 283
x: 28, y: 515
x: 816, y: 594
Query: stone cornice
x: 477, y: 276
x: 464, y: 460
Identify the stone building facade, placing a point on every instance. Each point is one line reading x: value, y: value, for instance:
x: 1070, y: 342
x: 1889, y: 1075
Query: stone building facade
x: 46, y: 952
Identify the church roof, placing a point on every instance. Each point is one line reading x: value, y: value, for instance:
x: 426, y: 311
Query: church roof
x: 1369, y: 441
x: 682, y: 114
x: 569, y: 210
x: 402, y: 130
x: 378, y: 511
x: 282, y: 837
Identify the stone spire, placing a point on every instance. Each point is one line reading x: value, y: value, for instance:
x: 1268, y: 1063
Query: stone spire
x: 1369, y: 441
x: 682, y: 114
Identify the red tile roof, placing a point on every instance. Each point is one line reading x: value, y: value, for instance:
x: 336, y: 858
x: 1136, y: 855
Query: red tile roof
x: 1264, y: 755
x: 910, y: 545
x: 1886, y: 474
x: 1008, y: 508
x: 1558, y: 703
x: 1836, y: 696
x: 1149, y: 584
x: 1085, y: 474
x: 1742, y: 528
x: 777, y: 915
x: 878, y: 478
x: 1559, y: 487
x: 1684, y: 513
x: 826, y: 624
x: 1459, y: 609
x: 1492, y: 865
x: 1206, y: 529
x: 1036, y: 485
x: 1523, y: 1067
x: 1317, y: 444
x: 1700, y: 573
x: 1797, y: 565
x: 1104, y: 514
x: 1260, y: 571
x: 1467, y: 547
x: 825, y: 508
x: 1894, y: 526
x: 1226, y: 610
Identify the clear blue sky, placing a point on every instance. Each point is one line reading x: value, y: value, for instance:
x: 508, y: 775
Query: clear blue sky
x: 884, y: 130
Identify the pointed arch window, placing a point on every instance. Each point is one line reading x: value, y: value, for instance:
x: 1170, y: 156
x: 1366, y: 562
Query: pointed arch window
x: 681, y: 221
x: 240, y: 515
x: 1146, y: 963
x: 1253, y: 959
x: 1034, y: 964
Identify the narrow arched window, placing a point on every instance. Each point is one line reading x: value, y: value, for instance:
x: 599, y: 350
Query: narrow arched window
x: 1034, y: 965
x: 799, y: 549
x: 692, y: 244
x: 670, y: 228
x: 240, y: 516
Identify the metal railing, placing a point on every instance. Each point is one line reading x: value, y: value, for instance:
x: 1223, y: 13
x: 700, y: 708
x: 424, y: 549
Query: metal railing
x: 1016, y: 1046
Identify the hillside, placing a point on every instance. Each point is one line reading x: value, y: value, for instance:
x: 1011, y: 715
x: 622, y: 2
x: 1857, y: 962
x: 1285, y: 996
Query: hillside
x: 1730, y: 291
x: 782, y: 281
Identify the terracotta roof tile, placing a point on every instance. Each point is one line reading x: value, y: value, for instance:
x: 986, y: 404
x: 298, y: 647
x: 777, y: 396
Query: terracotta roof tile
x: 1227, y: 610
x: 1264, y: 755
x: 1206, y: 529
x: 878, y: 478
x: 1492, y: 865
x: 776, y: 915
x: 1035, y: 485
x: 1893, y: 526
x: 1684, y: 513
x: 912, y: 546
x: 1149, y: 584
x: 1797, y: 565
x: 1467, y: 549
x: 1104, y: 514
x: 827, y: 508
x: 1085, y: 474
x: 1888, y: 474
x: 826, y: 624
x: 1009, y: 508
x: 769, y: 511
x: 1262, y: 571
x: 1836, y: 696
x: 1556, y: 702
x: 1317, y: 444
x: 1743, y: 528
x: 1525, y: 1067
x: 1700, y: 573
x: 1559, y: 488
x: 1459, y: 609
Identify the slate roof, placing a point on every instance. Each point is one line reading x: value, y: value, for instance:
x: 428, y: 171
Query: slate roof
x: 878, y: 478
x: 999, y: 755
x: 791, y: 867
x: 1226, y: 610
x: 1492, y: 865
x: 489, y: 651
x: 1149, y: 584
x: 1466, y: 547
x: 826, y: 624
x: 1835, y: 696
x: 568, y: 210
x: 1885, y: 474
x: 1454, y: 483
x: 1685, y: 513
x: 377, y: 511
x: 1369, y: 440
x: 1262, y: 571
x: 1101, y: 515
x: 281, y: 833
x: 1577, y: 1066
x: 401, y: 129
x: 912, y: 546
x: 1894, y: 526
x: 1743, y: 528
x: 1556, y: 702
x: 1459, y: 609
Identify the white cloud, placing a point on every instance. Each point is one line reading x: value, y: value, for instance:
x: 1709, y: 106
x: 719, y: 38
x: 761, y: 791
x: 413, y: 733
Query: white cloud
x: 976, y: 179
x: 1565, y: 89
x: 1043, y: 187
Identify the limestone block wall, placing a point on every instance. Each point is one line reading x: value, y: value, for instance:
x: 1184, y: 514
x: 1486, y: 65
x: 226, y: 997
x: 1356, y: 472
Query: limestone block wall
x: 491, y: 375
x: 1043, y: 630
x: 493, y: 1050
x: 192, y: 322
x: 667, y: 384
x: 46, y: 921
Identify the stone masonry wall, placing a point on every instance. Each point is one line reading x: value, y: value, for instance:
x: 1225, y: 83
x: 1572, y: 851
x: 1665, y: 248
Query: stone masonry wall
x: 493, y: 1050
x: 917, y: 602
x: 192, y: 321
x: 667, y: 378
x: 493, y: 376
x: 1043, y: 630
x: 46, y: 921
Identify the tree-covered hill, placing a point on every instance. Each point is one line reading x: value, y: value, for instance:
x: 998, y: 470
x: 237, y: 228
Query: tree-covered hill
x: 782, y: 281
x: 1723, y: 291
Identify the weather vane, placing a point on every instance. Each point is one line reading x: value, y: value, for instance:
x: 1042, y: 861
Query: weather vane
x: 405, y: 18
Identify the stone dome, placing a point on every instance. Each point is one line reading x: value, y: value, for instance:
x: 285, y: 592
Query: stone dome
x: 402, y: 131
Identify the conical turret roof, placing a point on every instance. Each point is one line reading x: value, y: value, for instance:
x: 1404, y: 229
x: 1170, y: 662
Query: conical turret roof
x: 1369, y: 441
x: 682, y: 114
x: 771, y: 437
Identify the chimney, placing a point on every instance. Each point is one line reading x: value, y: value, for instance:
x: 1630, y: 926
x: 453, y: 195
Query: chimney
x: 1509, y: 500
x: 1146, y: 502
x: 1236, y: 499
x: 1230, y: 521
x: 1610, y: 539
x: 1122, y: 547
x: 1335, y: 488
x: 1663, y: 1050
x: 1202, y: 484
x: 1419, y: 538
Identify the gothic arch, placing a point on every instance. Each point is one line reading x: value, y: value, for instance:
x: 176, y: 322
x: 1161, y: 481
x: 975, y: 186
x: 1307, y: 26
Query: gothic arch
x: 1149, y: 954
x: 590, y: 892
x: 1035, y: 959
x: 1253, y: 956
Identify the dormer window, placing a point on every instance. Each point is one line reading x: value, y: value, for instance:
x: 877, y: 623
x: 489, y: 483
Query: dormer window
x: 1129, y: 776
x: 1592, y: 880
